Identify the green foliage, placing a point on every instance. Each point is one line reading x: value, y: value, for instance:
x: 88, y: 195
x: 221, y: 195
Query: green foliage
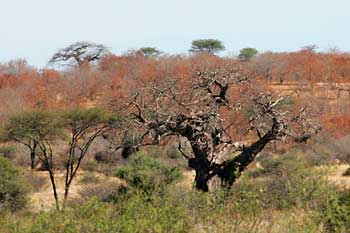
x: 276, y: 166
x: 161, y: 214
x: 84, y: 126
x: 135, y: 215
x: 87, y: 118
x: 287, y: 101
x: 247, y: 53
x: 148, y: 51
x: 32, y: 125
x: 288, y: 196
x: 147, y: 174
x: 178, y: 209
x: 300, y: 189
x: 336, y: 212
x: 289, y: 182
x: 210, y: 46
x: 13, y: 190
x: 37, y: 130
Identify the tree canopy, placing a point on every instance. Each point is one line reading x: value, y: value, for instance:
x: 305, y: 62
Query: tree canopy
x: 41, y: 128
x: 247, y: 53
x: 149, y: 51
x: 210, y: 46
x: 31, y: 129
x: 84, y: 126
x: 193, y: 111
x: 79, y: 53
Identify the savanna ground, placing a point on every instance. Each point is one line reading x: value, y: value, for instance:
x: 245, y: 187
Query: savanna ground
x: 295, y: 191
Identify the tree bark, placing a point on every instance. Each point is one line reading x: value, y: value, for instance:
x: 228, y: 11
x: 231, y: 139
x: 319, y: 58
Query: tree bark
x: 32, y: 159
x: 66, y: 193
x: 232, y: 170
x: 201, y: 165
x: 52, y: 179
x: 202, y: 173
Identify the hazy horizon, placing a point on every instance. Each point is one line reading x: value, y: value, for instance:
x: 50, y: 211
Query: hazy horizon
x: 34, y: 30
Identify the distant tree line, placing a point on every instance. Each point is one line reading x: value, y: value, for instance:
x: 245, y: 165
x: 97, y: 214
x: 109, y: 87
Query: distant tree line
x: 81, y: 53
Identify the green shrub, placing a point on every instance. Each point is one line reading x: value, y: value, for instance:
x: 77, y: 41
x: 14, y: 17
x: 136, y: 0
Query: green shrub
x: 147, y: 174
x: 246, y: 198
x: 301, y: 188
x: 13, y: 190
x: 289, y: 182
x: 276, y: 166
x: 336, y: 213
x: 161, y: 214
x: 137, y: 214
x: 179, y: 210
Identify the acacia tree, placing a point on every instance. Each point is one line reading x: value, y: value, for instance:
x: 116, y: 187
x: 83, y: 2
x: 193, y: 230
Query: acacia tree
x: 84, y: 126
x: 210, y: 46
x: 148, y: 51
x: 78, y: 54
x: 195, y: 112
x: 41, y: 129
x: 15, y: 130
x: 247, y: 53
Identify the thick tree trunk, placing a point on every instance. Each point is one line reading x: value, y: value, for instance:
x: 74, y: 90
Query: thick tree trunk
x: 201, y: 180
x: 201, y: 167
x: 232, y: 170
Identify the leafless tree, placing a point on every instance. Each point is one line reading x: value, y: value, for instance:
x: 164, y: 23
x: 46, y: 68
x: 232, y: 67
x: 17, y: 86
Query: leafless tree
x: 192, y: 110
x: 78, y: 54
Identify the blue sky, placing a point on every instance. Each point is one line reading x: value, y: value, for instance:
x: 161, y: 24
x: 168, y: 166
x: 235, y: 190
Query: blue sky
x: 35, y: 29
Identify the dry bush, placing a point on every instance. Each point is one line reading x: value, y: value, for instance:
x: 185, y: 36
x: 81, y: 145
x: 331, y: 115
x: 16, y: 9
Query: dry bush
x: 21, y: 156
x: 104, y: 191
x: 36, y: 182
x: 89, y: 178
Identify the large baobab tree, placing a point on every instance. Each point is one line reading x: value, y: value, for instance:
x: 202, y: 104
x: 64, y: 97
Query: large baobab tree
x: 78, y: 54
x: 198, y: 111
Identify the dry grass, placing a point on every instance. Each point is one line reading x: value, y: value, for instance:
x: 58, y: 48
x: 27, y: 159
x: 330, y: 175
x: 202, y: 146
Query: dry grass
x: 336, y: 176
x: 43, y: 198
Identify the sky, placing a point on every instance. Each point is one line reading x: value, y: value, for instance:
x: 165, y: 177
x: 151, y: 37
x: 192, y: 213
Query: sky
x: 34, y: 30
